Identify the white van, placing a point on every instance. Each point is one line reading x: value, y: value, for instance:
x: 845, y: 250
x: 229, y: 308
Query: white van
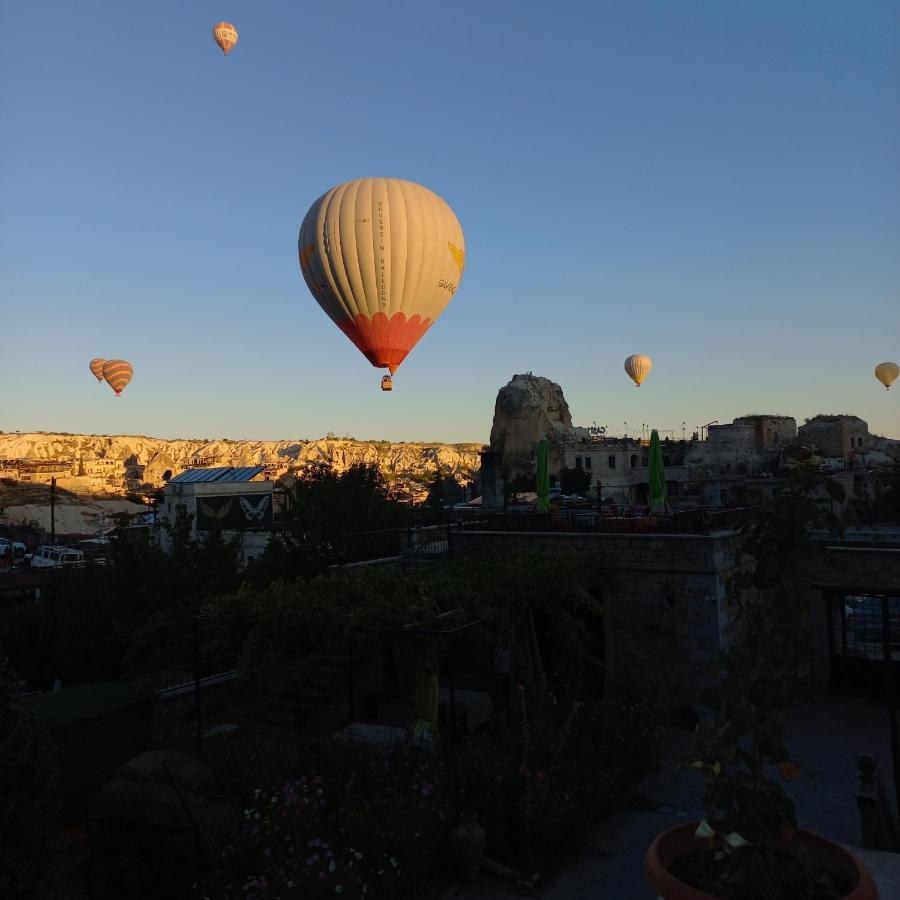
x: 50, y: 556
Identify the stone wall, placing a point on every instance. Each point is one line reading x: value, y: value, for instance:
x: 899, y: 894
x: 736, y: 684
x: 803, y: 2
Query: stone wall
x: 770, y: 431
x: 846, y: 566
x: 836, y: 436
x: 666, y: 594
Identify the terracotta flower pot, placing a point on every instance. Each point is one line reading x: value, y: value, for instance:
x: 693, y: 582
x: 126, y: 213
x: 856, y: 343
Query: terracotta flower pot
x: 680, y: 840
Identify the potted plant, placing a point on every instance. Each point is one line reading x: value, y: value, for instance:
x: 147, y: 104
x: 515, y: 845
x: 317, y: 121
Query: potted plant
x: 748, y: 846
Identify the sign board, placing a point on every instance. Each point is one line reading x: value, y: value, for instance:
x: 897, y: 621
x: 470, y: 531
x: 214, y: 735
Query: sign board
x: 238, y: 512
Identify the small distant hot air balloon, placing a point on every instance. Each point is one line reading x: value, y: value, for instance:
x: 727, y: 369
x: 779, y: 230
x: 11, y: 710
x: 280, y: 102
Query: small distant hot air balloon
x: 638, y: 367
x: 383, y: 258
x: 117, y: 373
x: 887, y: 373
x: 97, y: 368
x: 226, y: 36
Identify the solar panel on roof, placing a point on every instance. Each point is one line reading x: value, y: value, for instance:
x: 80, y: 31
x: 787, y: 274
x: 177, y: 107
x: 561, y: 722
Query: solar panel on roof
x: 224, y: 473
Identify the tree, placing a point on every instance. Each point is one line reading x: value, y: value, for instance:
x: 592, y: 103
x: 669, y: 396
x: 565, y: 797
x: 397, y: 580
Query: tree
x: 436, y: 493
x: 326, y: 507
x: 885, y: 506
x: 574, y: 481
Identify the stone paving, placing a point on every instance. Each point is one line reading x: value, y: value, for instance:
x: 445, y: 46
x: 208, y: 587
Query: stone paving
x: 825, y: 735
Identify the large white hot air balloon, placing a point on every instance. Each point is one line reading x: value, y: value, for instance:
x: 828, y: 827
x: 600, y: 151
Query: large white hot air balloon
x: 383, y: 257
x: 638, y: 367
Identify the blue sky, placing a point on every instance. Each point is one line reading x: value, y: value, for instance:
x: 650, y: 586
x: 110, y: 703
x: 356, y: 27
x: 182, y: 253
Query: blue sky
x: 714, y: 184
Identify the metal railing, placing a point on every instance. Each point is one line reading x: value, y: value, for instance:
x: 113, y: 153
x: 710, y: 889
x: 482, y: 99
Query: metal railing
x: 878, y: 826
x: 183, y: 679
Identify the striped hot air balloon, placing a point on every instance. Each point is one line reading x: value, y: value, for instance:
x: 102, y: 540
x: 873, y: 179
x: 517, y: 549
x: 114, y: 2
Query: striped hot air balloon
x: 97, y: 368
x: 638, y: 367
x: 117, y: 373
x: 383, y: 258
x: 226, y: 36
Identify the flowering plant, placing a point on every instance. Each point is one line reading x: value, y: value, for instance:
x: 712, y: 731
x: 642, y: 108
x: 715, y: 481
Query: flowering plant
x: 369, y: 826
x: 754, y: 851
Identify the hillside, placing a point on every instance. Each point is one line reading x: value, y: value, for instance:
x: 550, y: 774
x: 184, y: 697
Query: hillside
x: 145, y: 459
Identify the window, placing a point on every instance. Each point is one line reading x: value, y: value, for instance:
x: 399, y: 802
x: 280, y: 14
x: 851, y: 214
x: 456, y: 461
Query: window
x: 587, y: 462
x: 612, y: 462
x: 577, y: 462
x: 633, y: 460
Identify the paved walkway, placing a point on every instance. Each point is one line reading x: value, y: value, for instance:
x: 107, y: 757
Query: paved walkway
x: 825, y: 736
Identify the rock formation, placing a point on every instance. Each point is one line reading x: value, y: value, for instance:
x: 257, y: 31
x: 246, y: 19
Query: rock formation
x: 146, y: 459
x: 527, y: 409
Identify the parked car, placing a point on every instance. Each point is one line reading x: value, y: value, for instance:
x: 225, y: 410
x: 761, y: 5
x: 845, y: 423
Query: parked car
x: 48, y: 556
x: 863, y: 617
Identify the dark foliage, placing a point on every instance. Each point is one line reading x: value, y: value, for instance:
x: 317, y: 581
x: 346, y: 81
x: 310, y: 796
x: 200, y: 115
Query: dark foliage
x: 574, y: 481
x: 28, y: 808
x: 324, y: 507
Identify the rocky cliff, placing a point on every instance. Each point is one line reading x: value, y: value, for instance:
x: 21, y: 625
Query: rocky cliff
x: 145, y: 459
x: 528, y: 409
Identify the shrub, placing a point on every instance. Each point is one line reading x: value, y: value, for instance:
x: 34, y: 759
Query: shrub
x: 29, y: 823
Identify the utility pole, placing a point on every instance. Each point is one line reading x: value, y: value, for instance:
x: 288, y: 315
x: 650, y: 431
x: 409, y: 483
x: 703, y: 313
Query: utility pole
x: 52, y: 510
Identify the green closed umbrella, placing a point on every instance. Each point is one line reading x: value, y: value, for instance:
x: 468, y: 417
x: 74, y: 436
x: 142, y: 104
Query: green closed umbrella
x: 542, y: 478
x: 657, y: 472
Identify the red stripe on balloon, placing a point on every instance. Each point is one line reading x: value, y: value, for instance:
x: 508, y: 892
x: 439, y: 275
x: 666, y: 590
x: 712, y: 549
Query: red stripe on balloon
x: 385, y: 342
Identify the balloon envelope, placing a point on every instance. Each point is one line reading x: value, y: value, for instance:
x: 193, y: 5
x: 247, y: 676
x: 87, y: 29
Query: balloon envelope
x: 117, y: 373
x: 887, y: 373
x: 97, y: 368
x: 383, y: 258
x: 226, y: 36
x: 638, y: 367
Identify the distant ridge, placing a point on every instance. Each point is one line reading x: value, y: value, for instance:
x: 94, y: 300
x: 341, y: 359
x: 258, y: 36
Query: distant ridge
x: 143, y: 460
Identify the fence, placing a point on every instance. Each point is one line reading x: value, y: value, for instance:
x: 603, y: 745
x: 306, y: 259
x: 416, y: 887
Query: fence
x: 419, y: 545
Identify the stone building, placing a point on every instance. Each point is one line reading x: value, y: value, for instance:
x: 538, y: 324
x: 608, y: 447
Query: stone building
x: 230, y: 500
x: 666, y: 594
x: 670, y: 606
x: 769, y: 431
x: 44, y: 471
x: 837, y: 436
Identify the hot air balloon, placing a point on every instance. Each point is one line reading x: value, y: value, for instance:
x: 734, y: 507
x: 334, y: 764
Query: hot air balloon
x: 117, y: 373
x: 638, y: 367
x: 226, y: 36
x: 383, y: 258
x: 97, y: 368
x: 887, y: 373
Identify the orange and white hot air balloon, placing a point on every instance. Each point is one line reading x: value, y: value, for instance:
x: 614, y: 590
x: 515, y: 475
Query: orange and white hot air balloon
x: 638, y: 367
x: 887, y: 373
x: 97, y: 368
x: 117, y: 373
x: 226, y: 36
x: 383, y: 258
